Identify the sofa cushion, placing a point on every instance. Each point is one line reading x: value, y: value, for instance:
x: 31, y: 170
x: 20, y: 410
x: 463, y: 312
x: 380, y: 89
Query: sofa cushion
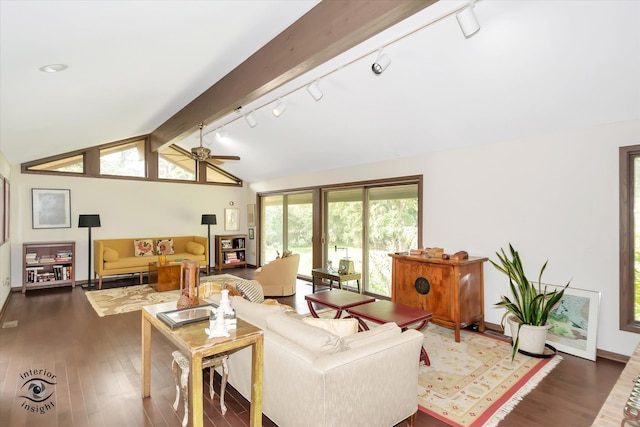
x: 380, y: 333
x: 143, y: 247
x: 164, y: 247
x: 252, y: 290
x: 110, y: 255
x: 253, y: 313
x: 340, y: 327
x: 194, y: 248
x: 312, y: 339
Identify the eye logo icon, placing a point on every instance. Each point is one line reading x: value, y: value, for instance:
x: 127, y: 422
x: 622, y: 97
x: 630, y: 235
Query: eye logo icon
x: 38, y: 386
x: 38, y: 390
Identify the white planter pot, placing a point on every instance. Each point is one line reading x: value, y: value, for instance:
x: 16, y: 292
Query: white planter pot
x: 532, y: 338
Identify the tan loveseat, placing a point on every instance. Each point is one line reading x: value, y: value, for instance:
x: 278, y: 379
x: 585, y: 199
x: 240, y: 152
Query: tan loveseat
x: 314, y: 378
x: 278, y: 277
x: 117, y: 256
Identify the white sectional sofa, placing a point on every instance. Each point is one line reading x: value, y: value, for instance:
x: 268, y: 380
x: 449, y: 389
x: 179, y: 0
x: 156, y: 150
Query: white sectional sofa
x: 315, y: 378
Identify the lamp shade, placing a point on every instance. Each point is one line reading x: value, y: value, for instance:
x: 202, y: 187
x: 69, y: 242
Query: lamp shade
x: 89, y: 221
x: 208, y: 219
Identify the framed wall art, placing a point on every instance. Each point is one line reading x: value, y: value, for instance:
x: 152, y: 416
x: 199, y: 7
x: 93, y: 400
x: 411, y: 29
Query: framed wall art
x: 51, y: 208
x: 251, y: 215
x: 232, y: 219
x: 251, y: 234
x: 5, y: 210
x: 574, y: 323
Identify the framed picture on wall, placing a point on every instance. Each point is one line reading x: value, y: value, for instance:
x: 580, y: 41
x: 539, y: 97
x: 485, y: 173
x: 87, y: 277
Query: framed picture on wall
x: 251, y: 215
x: 231, y: 219
x: 51, y: 208
x: 5, y: 210
x: 251, y: 234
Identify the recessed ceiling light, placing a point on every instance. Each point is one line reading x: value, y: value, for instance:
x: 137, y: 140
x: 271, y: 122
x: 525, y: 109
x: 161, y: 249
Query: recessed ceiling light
x: 53, y: 68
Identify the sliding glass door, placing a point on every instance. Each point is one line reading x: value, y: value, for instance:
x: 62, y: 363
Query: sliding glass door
x: 287, y: 225
x: 367, y: 223
x: 363, y: 222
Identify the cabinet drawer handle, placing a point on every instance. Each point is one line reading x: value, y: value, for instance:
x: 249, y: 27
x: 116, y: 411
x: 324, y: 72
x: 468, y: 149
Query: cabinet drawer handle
x: 422, y: 285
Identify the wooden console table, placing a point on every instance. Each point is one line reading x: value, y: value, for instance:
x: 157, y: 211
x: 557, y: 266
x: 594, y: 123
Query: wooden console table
x: 452, y: 290
x: 332, y: 276
x: 193, y: 342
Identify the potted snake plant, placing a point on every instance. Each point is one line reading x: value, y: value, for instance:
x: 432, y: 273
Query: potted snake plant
x: 528, y: 308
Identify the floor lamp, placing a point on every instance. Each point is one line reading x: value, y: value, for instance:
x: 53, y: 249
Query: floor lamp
x: 89, y: 221
x: 208, y: 219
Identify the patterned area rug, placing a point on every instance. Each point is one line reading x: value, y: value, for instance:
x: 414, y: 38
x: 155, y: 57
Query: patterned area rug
x: 473, y: 383
x: 132, y: 298
x: 123, y: 300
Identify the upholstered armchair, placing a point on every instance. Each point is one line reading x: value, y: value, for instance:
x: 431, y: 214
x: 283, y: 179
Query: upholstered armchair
x: 278, y: 277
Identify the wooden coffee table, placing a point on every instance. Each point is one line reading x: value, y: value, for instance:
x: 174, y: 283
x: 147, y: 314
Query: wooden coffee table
x: 386, y: 311
x: 164, y: 277
x: 338, y: 300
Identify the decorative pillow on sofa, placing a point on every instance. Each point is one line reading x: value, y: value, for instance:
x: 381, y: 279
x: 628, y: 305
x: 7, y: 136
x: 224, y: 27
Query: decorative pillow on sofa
x: 164, y: 247
x: 252, y: 290
x: 314, y: 340
x: 256, y: 314
x: 110, y: 255
x: 380, y: 333
x: 340, y: 327
x: 143, y: 247
x: 194, y: 248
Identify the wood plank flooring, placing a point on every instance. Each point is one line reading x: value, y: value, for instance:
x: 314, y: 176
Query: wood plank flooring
x: 97, y: 366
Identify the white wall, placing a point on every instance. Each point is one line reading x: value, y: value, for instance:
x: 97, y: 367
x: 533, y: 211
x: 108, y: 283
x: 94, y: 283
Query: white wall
x: 5, y: 250
x: 553, y: 197
x: 126, y: 209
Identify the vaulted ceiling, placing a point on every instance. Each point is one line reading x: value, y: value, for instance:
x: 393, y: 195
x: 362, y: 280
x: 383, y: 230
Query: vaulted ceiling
x: 535, y: 67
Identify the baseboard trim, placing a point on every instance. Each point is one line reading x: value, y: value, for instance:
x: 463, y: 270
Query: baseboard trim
x: 616, y: 357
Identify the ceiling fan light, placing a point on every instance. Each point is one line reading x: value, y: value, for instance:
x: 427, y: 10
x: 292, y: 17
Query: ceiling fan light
x: 251, y: 121
x: 280, y: 107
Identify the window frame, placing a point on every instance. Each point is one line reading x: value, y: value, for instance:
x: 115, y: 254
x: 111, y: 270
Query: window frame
x: 91, y: 165
x: 627, y: 155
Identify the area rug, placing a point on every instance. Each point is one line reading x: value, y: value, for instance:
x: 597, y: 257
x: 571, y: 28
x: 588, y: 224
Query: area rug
x: 132, y: 298
x: 473, y: 383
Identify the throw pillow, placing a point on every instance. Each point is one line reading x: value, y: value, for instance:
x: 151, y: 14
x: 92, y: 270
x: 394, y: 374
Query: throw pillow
x: 110, y: 255
x: 381, y: 333
x: 253, y: 313
x: 314, y: 340
x: 194, y: 248
x: 164, y: 247
x: 143, y: 247
x: 252, y: 291
x: 340, y: 327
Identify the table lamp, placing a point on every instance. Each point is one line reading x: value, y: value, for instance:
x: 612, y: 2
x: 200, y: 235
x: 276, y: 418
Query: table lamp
x: 208, y: 219
x: 89, y: 221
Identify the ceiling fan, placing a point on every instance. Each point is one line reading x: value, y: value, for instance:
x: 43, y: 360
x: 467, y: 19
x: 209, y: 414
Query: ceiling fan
x: 202, y: 153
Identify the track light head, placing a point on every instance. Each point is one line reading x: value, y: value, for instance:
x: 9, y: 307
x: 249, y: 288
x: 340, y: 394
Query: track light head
x: 315, y: 91
x: 251, y: 121
x: 279, y: 108
x: 468, y: 21
x: 381, y: 64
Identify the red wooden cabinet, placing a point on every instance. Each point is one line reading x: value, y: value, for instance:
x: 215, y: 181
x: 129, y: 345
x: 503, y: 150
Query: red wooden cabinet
x: 452, y: 290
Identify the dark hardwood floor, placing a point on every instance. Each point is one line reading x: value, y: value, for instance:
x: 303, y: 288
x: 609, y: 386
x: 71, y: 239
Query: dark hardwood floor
x: 96, y: 363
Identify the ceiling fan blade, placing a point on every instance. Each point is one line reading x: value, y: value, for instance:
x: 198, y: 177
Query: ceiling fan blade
x: 224, y: 157
x: 216, y: 162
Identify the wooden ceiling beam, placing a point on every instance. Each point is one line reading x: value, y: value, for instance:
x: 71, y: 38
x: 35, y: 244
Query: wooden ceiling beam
x: 329, y: 29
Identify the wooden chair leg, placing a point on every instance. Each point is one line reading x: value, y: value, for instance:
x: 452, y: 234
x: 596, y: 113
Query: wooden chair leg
x: 225, y: 374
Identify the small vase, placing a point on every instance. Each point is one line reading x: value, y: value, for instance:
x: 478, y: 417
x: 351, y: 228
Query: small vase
x: 162, y: 259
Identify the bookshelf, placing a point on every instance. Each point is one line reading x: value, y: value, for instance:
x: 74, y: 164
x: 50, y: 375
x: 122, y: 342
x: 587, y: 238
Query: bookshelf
x: 48, y: 264
x: 231, y: 251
